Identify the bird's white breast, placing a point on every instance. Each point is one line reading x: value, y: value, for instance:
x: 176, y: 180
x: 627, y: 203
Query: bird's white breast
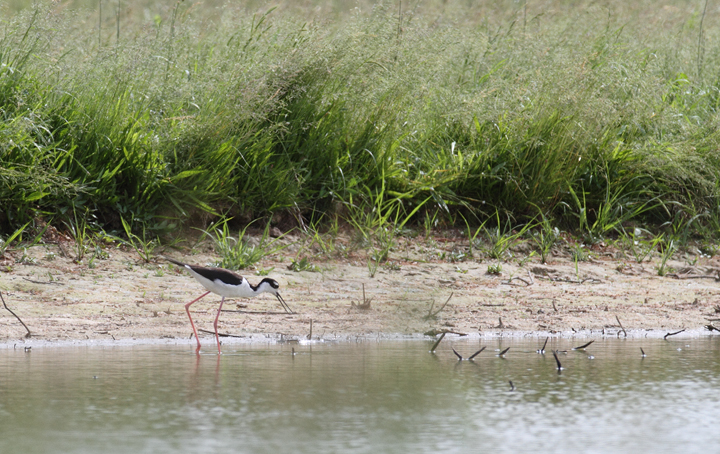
x: 219, y: 287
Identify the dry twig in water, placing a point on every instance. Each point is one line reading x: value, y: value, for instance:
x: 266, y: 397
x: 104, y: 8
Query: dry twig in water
x: 557, y: 360
x: 583, y: 346
x: 437, y: 342
x: 475, y: 354
x: 621, y: 327
x: 672, y: 334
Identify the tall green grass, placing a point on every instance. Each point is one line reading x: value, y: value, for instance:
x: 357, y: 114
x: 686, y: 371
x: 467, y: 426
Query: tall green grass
x: 478, y: 109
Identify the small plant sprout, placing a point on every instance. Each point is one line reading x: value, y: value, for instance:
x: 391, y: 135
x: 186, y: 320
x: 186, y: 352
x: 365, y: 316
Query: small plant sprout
x: 495, y: 269
x: 303, y: 264
x: 142, y: 244
x: 17, y: 235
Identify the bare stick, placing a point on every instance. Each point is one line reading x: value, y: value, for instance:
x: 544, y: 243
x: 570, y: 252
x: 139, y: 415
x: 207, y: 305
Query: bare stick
x: 711, y: 328
x: 437, y: 342
x: 583, y: 346
x: 526, y: 282
x: 476, y: 353
x: 309, y: 336
x: 695, y: 276
x: 621, y: 327
x: 219, y: 334
x: 542, y: 350
x: 254, y: 312
x: 502, y: 353
x: 512, y: 387
x: 23, y: 323
x: 643, y: 352
x: 557, y: 360
x: 43, y: 282
x: 672, y: 334
x: 460, y: 358
x: 432, y: 314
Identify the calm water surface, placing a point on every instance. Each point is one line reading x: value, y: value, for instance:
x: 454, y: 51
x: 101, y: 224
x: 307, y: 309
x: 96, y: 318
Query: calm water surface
x: 388, y: 396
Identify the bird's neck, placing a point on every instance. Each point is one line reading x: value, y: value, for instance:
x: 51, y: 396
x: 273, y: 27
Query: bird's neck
x: 260, y: 288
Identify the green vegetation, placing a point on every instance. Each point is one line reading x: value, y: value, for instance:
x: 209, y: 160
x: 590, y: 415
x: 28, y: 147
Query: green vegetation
x: 427, y: 115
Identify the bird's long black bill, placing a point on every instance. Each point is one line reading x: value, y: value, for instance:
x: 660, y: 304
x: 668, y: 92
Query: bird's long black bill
x: 284, y: 304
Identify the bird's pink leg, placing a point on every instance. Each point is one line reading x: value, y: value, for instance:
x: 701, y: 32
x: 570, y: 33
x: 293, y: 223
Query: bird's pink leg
x: 217, y: 337
x: 187, y: 309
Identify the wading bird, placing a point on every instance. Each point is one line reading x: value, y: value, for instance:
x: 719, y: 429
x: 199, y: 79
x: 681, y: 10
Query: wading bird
x: 226, y: 284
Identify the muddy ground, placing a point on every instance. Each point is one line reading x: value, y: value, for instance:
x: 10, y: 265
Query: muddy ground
x: 120, y: 296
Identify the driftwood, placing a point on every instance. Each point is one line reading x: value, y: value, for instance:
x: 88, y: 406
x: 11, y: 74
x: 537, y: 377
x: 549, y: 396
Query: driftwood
x: 672, y: 334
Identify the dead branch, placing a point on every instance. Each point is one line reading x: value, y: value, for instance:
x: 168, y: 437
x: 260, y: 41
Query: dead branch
x: 672, y: 334
x: 43, y: 282
x: 557, y: 360
x: 237, y: 311
x: 460, y: 358
x: 475, y: 354
x: 14, y: 314
x: 695, y: 276
x: 583, y: 346
x: 219, y: 334
x: 527, y: 283
x: 437, y: 342
x: 432, y: 314
x: 621, y: 327
x: 541, y: 351
x: 365, y: 305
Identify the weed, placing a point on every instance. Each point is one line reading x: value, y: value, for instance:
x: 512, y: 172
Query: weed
x: 495, y: 269
x: 545, y: 237
x: 25, y: 259
x: 303, y: 264
x: 240, y: 253
x: 502, y: 237
x: 81, y: 233
x: 579, y: 253
x: 142, y: 245
x: 392, y: 266
x: 667, y: 249
x: 17, y: 235
x: 260, y: 271
x: 641, y: 243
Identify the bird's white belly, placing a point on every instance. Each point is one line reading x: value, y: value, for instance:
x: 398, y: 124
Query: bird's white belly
x: 229, y: 291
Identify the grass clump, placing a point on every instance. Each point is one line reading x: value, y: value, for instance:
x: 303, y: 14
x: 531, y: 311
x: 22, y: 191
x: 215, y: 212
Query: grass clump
x: 240, y: 253
x: 468, y: 110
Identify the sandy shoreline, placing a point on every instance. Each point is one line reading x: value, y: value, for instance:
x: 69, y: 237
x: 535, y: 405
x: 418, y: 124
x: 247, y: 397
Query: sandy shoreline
x: 123, y: 299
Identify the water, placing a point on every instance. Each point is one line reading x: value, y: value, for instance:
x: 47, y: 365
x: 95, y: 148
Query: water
x: 388, y: 396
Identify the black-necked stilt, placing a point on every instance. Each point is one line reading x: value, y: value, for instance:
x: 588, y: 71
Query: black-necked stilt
x: 226, y: 284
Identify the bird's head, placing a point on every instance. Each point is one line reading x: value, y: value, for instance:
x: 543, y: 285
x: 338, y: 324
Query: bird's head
x: 268, y: 285
x: 272, y: 286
